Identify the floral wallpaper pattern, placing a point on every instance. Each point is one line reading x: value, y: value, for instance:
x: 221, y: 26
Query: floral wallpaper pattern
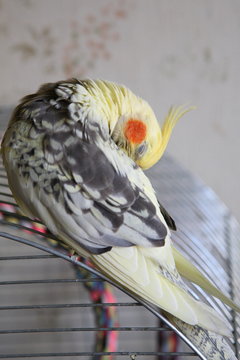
x: 89, y: 38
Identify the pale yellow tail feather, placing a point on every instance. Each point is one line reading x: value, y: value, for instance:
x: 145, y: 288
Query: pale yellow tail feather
x: 128, y: 271
x: 191, y: 273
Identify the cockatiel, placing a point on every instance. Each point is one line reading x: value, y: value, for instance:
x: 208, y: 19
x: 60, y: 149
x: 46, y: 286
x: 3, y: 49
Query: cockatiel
x: 74, y: 153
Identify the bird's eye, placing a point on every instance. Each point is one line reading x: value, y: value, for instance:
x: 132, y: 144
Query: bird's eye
x: 141, y: 149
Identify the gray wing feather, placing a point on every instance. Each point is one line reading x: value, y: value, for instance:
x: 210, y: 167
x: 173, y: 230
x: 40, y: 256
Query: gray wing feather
x: 92, y: 202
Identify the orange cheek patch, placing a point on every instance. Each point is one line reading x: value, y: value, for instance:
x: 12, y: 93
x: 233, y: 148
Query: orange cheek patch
x: 135, y: 131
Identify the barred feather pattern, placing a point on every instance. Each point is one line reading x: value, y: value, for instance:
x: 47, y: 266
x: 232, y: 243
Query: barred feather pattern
x: 210, y: 344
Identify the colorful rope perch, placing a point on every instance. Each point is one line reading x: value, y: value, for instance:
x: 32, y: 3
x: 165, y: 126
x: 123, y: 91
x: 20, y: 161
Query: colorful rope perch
x: 105, y: 316
x: 167, y: 342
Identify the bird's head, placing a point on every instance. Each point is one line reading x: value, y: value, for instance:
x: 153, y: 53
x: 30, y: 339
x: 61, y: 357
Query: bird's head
x: 138, y: 132
x: 132, y: 123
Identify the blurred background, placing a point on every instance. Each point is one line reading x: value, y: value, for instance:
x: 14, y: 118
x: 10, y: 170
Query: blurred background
x: 167, y: 51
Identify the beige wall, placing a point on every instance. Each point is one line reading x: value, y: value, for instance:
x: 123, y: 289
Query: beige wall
x: 167, y: 51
